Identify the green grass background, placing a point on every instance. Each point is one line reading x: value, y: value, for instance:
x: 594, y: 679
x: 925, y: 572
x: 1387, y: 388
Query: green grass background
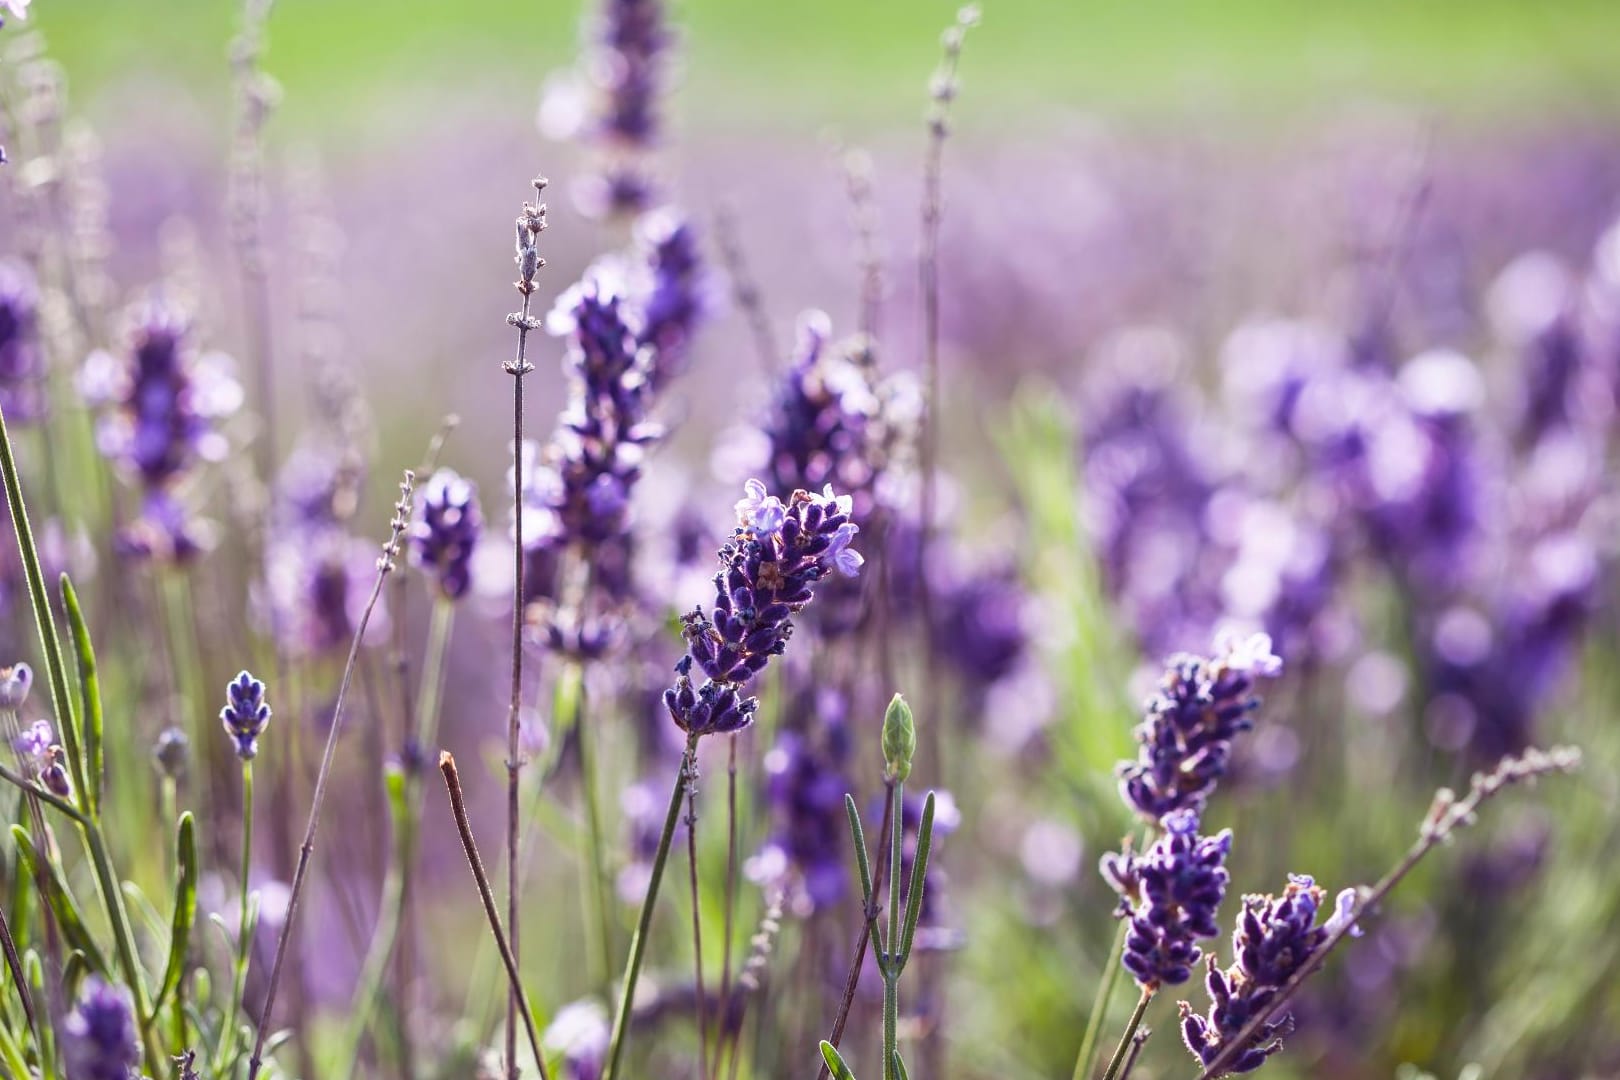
x: 755, y: 63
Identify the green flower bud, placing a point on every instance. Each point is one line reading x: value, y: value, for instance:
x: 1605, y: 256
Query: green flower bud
x: 899, y: 739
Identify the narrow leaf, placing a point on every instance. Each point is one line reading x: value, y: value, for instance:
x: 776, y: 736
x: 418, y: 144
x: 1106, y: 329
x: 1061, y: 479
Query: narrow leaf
x: 89, y: 768
x: 835, y: 1062
x: 185, y: 909
x: 61, y: 901
x: 861, y: 857
x: 900, y: 1067
x: 919, y: 870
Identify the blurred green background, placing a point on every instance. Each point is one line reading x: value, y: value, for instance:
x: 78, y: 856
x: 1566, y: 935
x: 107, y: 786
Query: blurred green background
x: 752, y: 63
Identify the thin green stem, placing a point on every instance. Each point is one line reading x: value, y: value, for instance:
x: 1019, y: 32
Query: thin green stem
x: 597, y: 926
x: 225, y: 1054
x: 1087, y: 1059
x: 385, y: 937
x: 638, y: 943
x: 892, y: 961
x: 1115, y: 1062
x: 124, y: 940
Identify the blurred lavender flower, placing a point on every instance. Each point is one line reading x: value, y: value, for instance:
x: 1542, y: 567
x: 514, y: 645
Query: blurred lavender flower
x: 316, y: 585
x: 15, y: 682
x: 770, y: 569
x: 806, y: 776
x: 445, y: 530
x: 1170, y: 893
x: 160, y: 407
x: 33, y: 744
x: 674, y: 291
x: 578, y: 1035
x: 99, y: 1040
x: 610, y: 101
x: 22, y: 363
x: 318, y: 486
x: 1185, y: 740
x: 980, y: 629
x: 171, y: 753
x: 931, y: 931
x: 245, y: 714
x: 641, y: 803
x: 1274, y: 938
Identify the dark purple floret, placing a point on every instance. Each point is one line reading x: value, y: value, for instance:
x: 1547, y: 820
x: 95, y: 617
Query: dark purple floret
x: 1170, y: 893
x: 445, y: 531
x: 769, y: 571
x: 1185, y: 739
x: 1274, y: 938
x: 22, y: 367
x: 245, y: 714
x: 99, y: 1039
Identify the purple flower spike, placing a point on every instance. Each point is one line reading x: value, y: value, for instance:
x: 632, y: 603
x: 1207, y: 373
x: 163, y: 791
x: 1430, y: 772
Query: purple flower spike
x: 1170, y: 893
x: 99, y: 1040
x: 1274, y: 938
x: 446, y: 530
x: 245, y: 714
x: 1185, y: 740
x: 766, y: 577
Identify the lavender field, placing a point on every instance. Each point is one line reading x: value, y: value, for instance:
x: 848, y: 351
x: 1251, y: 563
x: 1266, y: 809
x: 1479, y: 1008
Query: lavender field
x: 625, y: 540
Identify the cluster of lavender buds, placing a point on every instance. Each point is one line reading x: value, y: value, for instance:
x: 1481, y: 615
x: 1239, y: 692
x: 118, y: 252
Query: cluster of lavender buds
x: 245, y: 714
x: 99, y: 1039
x: 22, y: 367
x: 804, y: 859
x: 38, y: 749
x: 610, y: 102
x: 445, y: 530
x: 1275, y: 937
x: 1170, y: 893
x: 1184, y: 741
x: 769, y: 571
x: 161, y: 406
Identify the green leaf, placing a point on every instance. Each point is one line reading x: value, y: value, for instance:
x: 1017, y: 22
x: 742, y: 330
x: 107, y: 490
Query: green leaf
x: 88, y: 769
x: 185, y: 909
x: 66, y: 909
x: 919, y: 870
x: 900, y: 1067
x: 835, y: 1062
x: 863, y: 860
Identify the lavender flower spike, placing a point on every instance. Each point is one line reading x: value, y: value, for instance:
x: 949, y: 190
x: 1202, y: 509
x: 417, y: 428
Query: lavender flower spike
x: 769, y: 571
x: 1274, y: 938
x: 1185, y: 739
x: 446, y: 530
x: 22, y: 363
x: 245, y: 714
x: 99, y: 1040
x: 1170, y: 893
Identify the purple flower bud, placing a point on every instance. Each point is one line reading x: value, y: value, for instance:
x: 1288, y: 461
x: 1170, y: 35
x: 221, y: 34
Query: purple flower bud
x: 15, y: 682
x: 446, y: 530
x: 171, y: 752
x: 99, y: 1039
x: 34, y: 743
x: 1170, y: 893
x: 1274, y: 938
x: 245, y: 714
x: 765, y: 577
x: 579, y: 1035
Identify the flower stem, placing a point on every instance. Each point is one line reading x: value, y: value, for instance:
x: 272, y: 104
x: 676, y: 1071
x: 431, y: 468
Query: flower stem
x: 1125, y: 1040
x: 1099, y: 1006
x: 697, y: 924
x: 597, y: 924
x: 891, y: 963
x: 224, y: 1054
x: 638, y: 943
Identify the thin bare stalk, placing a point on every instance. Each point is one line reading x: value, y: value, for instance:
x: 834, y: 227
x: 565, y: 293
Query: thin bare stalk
x: 1137, y: 1042
x: 942, y: 93
x: 385, y: 565
x: 14, y: 964
x: 1445, y: 816
x: 745, y: 289
x: 1099, y: 1005
x: 458, y: 806
x: 531, y: 223
x: 727, y: 920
